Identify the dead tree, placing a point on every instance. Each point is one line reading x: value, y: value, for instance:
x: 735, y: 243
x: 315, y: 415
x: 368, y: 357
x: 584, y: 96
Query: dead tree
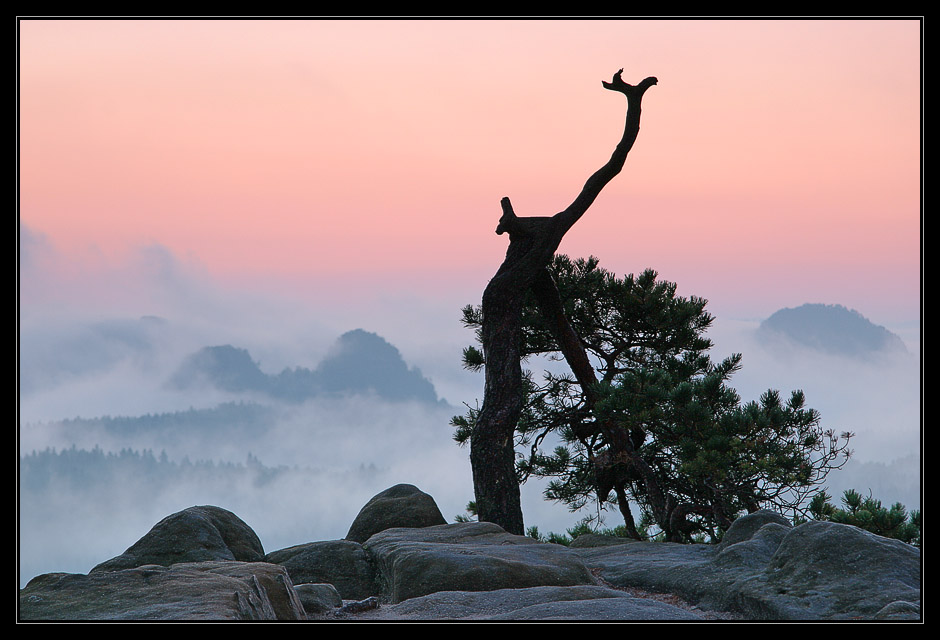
x: 532, y: 244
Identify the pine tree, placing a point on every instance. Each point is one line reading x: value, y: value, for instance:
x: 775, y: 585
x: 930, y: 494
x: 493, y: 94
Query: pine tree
x: 647, y: 420
x: 869, y: 514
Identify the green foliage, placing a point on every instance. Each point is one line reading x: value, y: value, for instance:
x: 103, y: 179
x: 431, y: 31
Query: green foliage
x: 662, y: 427
x: 869, y: 514
x: 581, y: 528
x: 554, y: 538
x: 470, y: 515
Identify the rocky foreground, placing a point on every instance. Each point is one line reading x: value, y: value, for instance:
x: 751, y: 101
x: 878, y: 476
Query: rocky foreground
x: 401, y: 561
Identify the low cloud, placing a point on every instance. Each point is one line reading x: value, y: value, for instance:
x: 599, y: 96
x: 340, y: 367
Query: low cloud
x: 101, y: 339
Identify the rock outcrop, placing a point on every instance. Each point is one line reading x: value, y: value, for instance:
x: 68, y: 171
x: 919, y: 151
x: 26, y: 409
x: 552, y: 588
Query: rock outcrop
x: 204, y: 563
x: 582, y: 602
x: 319, y: 599
x: 184, y: 591
x: 196, y: 534
x: 766, y: 569
x: 403, y: 505
x: 470, y: 556
x: 341, y: 563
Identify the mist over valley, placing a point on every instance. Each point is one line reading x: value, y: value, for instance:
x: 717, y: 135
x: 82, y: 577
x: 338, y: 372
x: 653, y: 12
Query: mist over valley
x: 293, y: 418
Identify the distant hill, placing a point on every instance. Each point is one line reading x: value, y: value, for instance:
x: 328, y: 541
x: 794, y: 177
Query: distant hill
x: 225, y: 367
x: 830, y: 328
x: 364, y: 362
x: 360, y: 362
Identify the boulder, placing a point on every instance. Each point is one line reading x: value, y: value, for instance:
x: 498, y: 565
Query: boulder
x: 814, y: 571
x: 752, y: 540
x: 186, y: 591
x: 469, y: 556
x: 746, y: 526
x: 403, y: 505
x: 342, y: 563
x: 196, y: 534
x: 899, y: 610
x: 318, y: 599
x: 204, y: 563
x: 825, y: 570
x: 754, y: 552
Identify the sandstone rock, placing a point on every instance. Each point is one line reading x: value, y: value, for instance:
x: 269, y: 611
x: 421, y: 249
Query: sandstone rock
x: 582, y: 602
x: 609, y: 609
x: 685, y: 570
x: 403, y: 505
x: 595, y: 540
x: 754, y: 552
x: 274, y: 582
x: 815, y: 571
x: 204, y: 563
x: 196, y: 534
x: 824, y: 570
x: 342, y: 563
x: 746, y: 526
x: 899, y: 610
x: 472, y: 556
x: 186, y: 591
x: 318, y: 599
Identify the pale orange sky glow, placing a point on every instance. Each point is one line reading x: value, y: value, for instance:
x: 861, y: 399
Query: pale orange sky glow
x: 775, y: 156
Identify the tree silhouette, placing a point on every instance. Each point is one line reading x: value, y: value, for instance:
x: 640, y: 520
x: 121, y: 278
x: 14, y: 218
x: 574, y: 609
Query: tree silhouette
x: 532, y: 244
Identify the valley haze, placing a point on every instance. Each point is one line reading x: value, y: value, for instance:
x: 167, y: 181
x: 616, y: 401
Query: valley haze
x: 306, y: 464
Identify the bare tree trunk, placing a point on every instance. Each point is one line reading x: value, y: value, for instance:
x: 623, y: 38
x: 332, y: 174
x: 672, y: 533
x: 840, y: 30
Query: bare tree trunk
x: 532, y: 243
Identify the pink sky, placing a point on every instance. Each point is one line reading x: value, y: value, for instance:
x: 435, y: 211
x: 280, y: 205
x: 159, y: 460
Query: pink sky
x: 778, y: 161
